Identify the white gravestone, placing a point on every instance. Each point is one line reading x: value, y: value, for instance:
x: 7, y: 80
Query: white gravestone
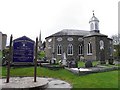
x: 64, y: 63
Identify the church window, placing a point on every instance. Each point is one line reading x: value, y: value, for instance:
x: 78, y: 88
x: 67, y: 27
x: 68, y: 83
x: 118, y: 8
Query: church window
x: 59, y: 39
x: 80, y: 50
x: 70, y: 39
x: 96, y: 26
x: 92, y: 26
x: 50, y: 40
x: 101, y: 44
x: 110, y: 51
x: 59, y: 49
x: 80, y: 39
x: 89, y: 49
x: 70, y: 49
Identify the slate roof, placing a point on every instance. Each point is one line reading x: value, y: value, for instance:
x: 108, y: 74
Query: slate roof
x: 83, y: 33
x: 95, y: 34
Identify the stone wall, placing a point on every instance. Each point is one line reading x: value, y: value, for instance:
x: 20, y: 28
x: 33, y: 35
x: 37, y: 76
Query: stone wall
x: 64, y: 43
x: 92, y: 41
x: 51, y: 47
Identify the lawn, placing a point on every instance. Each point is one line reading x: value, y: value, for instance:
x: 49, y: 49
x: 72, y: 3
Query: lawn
x: 96, y: 80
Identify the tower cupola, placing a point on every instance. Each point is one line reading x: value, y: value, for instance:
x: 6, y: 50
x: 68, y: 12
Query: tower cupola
x: 94, y: 23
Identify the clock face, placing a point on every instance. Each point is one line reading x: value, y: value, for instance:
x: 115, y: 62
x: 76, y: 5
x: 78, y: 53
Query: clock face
x: 101, y: 44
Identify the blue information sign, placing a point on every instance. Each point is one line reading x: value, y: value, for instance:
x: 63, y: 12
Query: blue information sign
x: 23, y: 50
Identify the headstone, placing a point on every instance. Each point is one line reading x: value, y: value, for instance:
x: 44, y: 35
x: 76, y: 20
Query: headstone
x: 64, y: 62
x: 53, y: 61
x: 88, y: 64
x: 23, y: 51
x: 72, y: 63
x: 110, y: 61
x: 102, y: 62
x: 82, y: 58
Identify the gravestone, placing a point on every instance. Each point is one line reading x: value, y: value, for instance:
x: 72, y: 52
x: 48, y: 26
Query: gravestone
x: 64, y: 59
x: 88, y: 64
x: 111, y: 61
x: 23, y: 51
x: 53, y: 61
x: 72, y: 63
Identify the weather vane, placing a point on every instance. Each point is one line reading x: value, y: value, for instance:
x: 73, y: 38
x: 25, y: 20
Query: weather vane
x: 93, y: 12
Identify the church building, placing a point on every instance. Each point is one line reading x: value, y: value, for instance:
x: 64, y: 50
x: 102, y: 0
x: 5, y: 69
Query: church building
x: 3, y: 38
x: 77, y: 44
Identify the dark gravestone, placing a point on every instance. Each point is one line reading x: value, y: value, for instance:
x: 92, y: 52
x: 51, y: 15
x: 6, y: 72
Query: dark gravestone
x: 110, y: 61
x: 23, y: 51
x: 72, y: 64
x: 88, y: 64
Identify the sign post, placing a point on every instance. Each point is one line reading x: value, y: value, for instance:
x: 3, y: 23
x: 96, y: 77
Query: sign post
x: 36, y: 53
x: 10, y: 54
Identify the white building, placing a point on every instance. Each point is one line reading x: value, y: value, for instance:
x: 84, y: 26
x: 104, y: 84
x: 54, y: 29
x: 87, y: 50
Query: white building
x: 3, y: 38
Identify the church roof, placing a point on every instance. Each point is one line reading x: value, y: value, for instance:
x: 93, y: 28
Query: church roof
x: 70, y: 32
x: 93, y: 18
x: 92, y: 33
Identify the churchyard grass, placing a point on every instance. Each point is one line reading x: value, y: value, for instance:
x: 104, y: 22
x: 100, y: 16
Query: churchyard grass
x: 96, y: 80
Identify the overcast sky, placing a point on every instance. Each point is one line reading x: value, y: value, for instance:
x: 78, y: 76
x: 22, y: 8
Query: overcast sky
x: 28, y: 17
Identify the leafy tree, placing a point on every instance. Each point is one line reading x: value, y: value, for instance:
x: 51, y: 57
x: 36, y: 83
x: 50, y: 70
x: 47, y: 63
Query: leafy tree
x: 116, y: 43
x: 116, y: 39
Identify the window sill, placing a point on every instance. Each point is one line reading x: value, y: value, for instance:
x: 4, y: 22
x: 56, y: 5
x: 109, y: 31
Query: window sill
x: 80, y: 54
x: 89, y: 54
x: 70, y: 54
x: 59, y: 54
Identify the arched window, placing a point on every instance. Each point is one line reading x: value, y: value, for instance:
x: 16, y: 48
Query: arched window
x: 96, y: 26
x: 110, y: 50
x: 80, y: 49
x: 59, y: 49
x: 70, y: 49
x: 92, y: 26
x: 101, y: 44
x: 89, y: 48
